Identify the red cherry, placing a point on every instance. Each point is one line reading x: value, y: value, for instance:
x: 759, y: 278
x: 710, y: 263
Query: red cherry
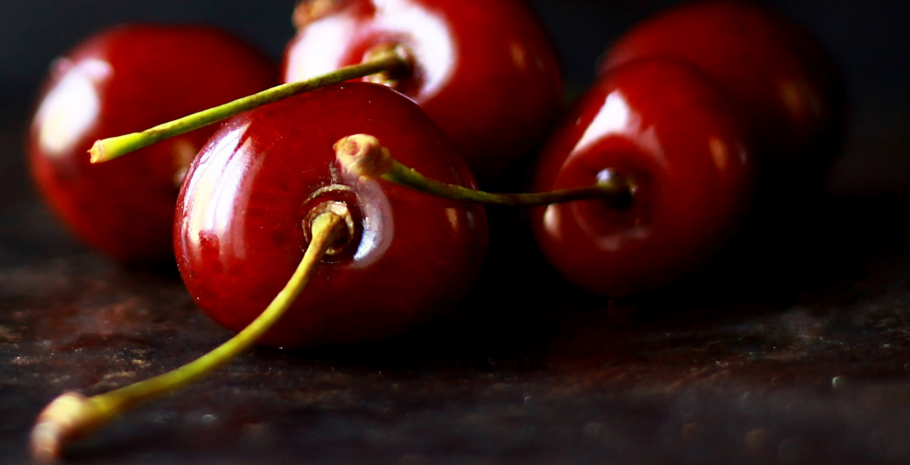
x: 119, y: 81
x: 238, y: 232
x: 665, y: 127
x: 484, y: 71
x: 788, y: 90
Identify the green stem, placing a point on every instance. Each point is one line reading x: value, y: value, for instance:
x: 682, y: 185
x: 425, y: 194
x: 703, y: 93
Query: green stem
x: 71, y: 415
x: 390, y: 61
x: 363, y: 155
x: 613, y: 189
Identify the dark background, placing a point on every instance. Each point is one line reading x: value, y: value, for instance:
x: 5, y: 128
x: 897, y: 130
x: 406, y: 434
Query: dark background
x: 815, y: 370
x: 869, y: 39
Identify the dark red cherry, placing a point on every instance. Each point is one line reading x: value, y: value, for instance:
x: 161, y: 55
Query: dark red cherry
x: 123, y: 80
x: 787, y: 89
x: 484, y: 71
x: 239, y: 231
x: 666, y: 128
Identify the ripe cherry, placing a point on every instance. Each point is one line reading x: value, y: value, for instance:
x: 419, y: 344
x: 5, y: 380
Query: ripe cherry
x: 238, y: 233
x: 787, y: 90
x: 121, y: 80
x: 484, y: 71
x: 667, y: 128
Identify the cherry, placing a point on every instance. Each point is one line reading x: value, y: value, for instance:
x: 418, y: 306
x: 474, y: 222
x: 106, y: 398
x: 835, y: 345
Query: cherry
x: 665, y: 127
x: 124, y: 79
x: 238, y: 233
x: 788, y: 91
x: 484, y: 71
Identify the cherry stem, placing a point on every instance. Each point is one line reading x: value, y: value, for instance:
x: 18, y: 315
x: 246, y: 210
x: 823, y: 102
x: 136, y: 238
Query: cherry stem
x: 392, y: 60
x: 72, y: 415
x: 364, y: 156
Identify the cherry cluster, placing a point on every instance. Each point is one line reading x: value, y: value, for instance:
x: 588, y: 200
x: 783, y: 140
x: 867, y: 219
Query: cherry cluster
x: 697, y: 116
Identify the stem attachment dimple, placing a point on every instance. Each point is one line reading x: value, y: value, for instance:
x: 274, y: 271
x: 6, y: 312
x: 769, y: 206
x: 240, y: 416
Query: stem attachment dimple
x: 394, y: 76
x: 389, y: 60
x: 362, y: 155
x: 72, y: 415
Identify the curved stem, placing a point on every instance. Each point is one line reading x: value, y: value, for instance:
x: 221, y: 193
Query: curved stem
x: 72, y: 415
x: 390, y: 60
x: 616, y: 191
x: 364, y: 156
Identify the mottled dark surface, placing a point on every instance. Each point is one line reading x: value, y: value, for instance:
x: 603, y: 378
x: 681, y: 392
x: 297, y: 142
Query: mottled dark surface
x: 809, y: 363
x: 793, y: 351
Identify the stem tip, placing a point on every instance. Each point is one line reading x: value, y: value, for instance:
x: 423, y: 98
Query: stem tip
x: 97, y: 151
x: 69, y: 416
x: 108, y: 149
x: 362, y: 155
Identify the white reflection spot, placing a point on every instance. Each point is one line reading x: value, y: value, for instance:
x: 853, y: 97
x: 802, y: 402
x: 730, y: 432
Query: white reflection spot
x: 215, y: 190
x: 316, y: 57
x: 378, y: 224
x: 71, y: 107
x: 612, y: 117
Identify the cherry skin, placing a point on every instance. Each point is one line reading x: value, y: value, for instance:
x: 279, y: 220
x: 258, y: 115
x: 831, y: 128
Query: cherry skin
x: 122, y: 80
x: 238, y: 231
x: 484, y: 71
x: 787, y: 89
x: 666, y: 128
